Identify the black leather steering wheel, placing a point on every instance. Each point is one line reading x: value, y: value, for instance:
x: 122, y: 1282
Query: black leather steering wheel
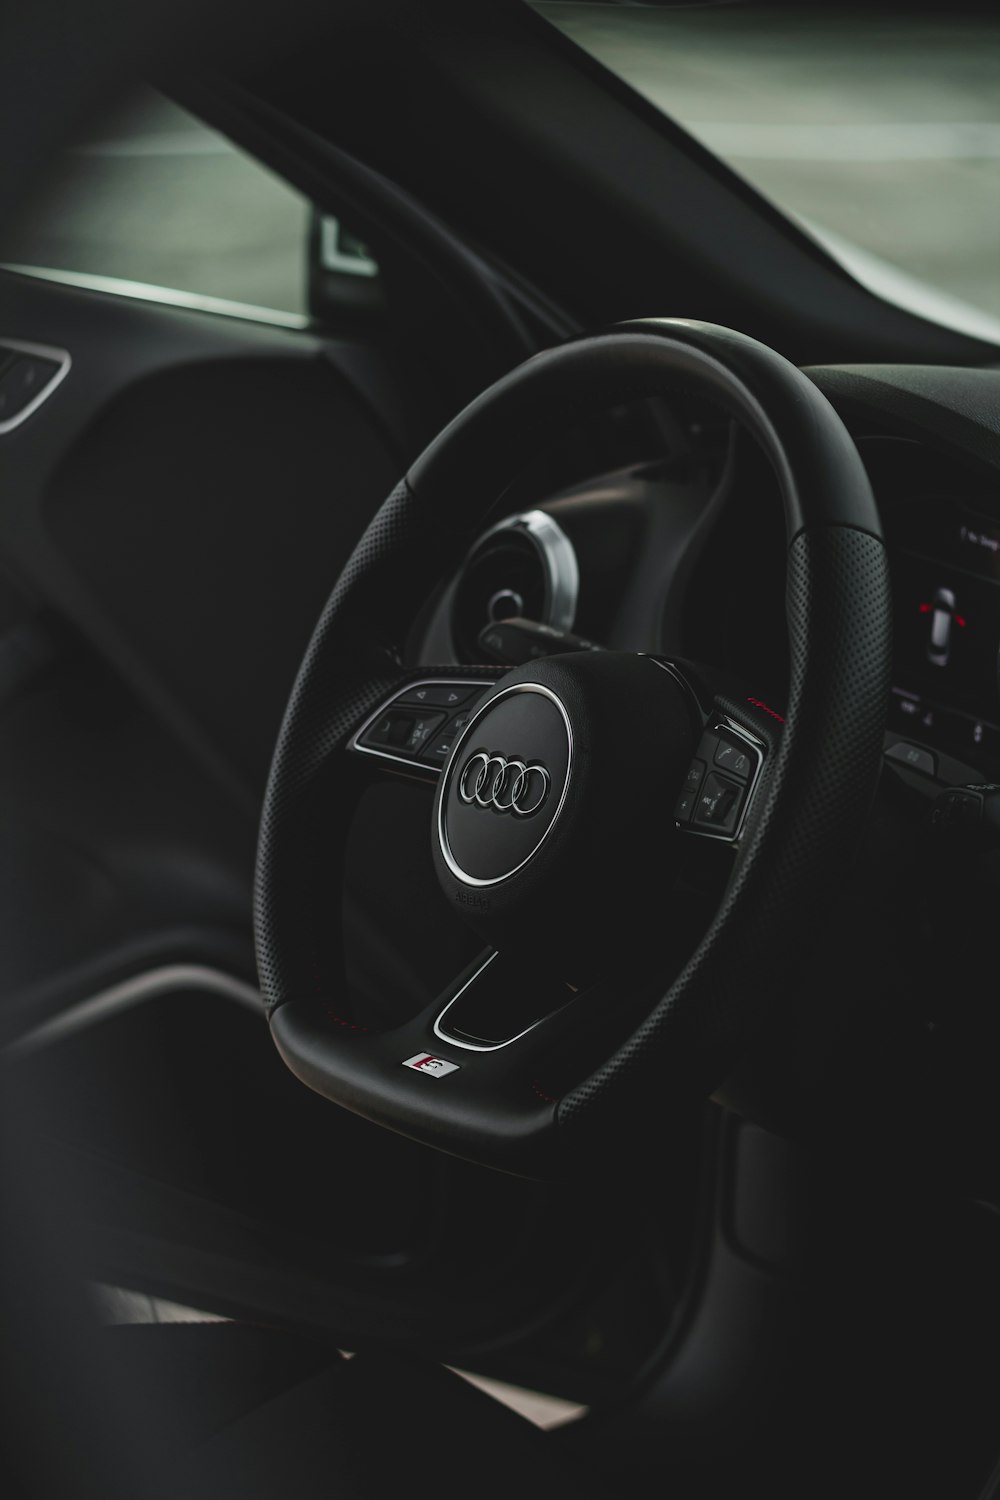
x: 570, y: 789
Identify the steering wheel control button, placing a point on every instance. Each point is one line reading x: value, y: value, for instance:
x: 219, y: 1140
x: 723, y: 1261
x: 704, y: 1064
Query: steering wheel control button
x: 695, y: 772
x: 421, y: 732
x: 406, y: 730
x: 685, y: 807
x: 735, y: 759
x: 718, y: 805
x: 403, y: 729
x: 439, y: 748
x: 913, y: 756
x: 433, y: 1067
x: 439, y: 694
x: 390, y: 731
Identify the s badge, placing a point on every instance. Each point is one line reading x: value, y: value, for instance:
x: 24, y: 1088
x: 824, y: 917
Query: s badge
x: 426, y: 1062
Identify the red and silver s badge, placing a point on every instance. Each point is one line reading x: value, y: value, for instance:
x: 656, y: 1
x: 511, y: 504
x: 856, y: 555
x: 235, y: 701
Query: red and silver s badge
x: 426, y: 1062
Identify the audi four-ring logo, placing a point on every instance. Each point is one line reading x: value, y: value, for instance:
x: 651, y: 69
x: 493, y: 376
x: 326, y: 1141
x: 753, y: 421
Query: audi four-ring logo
x: 506, y: 785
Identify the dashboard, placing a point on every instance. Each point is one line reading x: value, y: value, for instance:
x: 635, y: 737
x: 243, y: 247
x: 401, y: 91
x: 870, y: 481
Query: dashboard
x: 942, y: 525
x: 946, y: 585
x: 666, y: 577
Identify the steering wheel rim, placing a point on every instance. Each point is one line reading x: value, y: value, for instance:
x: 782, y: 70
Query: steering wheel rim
x: 801, y: 829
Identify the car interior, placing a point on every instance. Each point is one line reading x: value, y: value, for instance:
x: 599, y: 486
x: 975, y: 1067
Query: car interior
x: 500, y: 770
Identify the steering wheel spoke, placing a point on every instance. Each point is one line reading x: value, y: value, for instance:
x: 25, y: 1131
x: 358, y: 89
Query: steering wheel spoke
x: 469, y: 1067
x: 502, y: 1001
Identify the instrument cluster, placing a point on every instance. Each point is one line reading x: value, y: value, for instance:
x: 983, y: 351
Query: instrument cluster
x: 946, y: 587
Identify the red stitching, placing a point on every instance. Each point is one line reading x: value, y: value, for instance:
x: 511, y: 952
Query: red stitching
x: 347, y: 1025
x: 542, y: 1095
x: 758, y: 704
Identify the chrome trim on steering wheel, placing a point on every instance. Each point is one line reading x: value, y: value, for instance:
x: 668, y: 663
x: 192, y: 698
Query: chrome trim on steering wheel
x: 449, y: 858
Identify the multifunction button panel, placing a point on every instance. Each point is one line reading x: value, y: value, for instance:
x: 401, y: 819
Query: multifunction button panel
x: 420, y: 724
x: 720, y: 782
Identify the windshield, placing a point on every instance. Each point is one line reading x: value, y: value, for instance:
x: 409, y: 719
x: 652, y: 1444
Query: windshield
x: 879, y: 133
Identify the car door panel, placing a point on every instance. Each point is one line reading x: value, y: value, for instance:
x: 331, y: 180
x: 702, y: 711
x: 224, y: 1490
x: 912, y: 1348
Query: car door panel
x: 188, y: 494
x: 174, y: 515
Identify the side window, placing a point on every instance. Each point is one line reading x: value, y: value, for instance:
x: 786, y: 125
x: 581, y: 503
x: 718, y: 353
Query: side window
x: 153, y: 196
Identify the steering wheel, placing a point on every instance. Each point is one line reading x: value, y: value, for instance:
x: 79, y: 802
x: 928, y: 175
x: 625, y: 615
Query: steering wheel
x: 571, y: 790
